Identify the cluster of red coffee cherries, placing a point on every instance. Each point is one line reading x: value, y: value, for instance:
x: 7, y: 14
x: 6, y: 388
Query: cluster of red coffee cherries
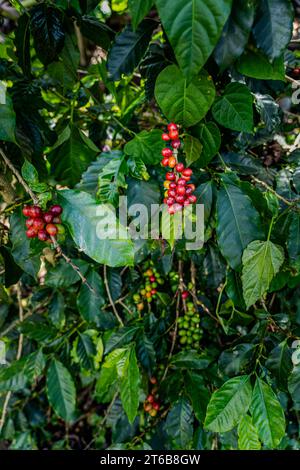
x: 43, y: 225
x: 151, y: 404
x: 178, y: 192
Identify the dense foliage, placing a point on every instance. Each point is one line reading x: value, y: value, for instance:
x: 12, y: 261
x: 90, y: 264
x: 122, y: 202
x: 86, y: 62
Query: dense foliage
x: 142, y: 344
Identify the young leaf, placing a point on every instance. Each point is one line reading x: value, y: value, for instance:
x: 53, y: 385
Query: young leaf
x: 267, y: 414
x: 193, y: 28
x: 248, y: 437
x: 234, y: 108
x: 61, y: 390
x: 181, y: 101
x: 129, y: 385
x: 261, y: 261
x: 228, y: 404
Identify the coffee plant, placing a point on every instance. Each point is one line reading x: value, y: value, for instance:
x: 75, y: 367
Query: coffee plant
x: 129, y: 342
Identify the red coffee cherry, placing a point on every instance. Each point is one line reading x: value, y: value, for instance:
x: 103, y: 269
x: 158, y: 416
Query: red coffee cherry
x: 172, y: 127
x: 181, y: 181
x: 180, y: 190
x: 172, y: 192
x: 176, y: 144
x: 38, y: 224
x: 185, y: 294
x: 192, y: 186
x: 29, y: 222
x: 31, y: 233
x: 26, y: 211
x: 193, y: 199
x: 179, y: 167
x: 173, y: 186
x: 174, y: 134
x: 56, y: 209
x: 165, y: 137
x: 48, y: 217
x: 187, y: 172
x: 167, y: 152
x: 170, y: 201
x: 43, y: 235
x: 170, y: 176
x: 165, y: 161
x: 150, y: 398
x: 180, y: 199
x: 156, y: 406
x: 36, y: 212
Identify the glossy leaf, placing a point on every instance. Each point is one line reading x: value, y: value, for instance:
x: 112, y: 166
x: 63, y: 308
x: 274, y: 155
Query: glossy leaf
x: 181, y: 101
x: 248, y: 437
x: 147, y: 146
x: 138, y: 10
x: 179, y: 423
x: 61, y: 390
x: 91, y: 297
x: 129, y: 385
x: 192, y: 149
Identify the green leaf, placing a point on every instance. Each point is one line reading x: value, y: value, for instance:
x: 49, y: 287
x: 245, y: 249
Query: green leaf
x: 248, y: 437
x: 269, y: 111
x: 72, y: 158
x: 47, y: 31
x: 57, y: 309
x: 63, y: 275
x: 146, y: 352
x: 238, y: 222
x: 179, y: 424
x: 294, y: 386
x: 129, y: 385
x: 293, y: 241
x: 81, y: 215
x: 8, y: 120
x: 89, y: 179
x: 146, y: 145
x: 235, y: 33
x: 138, y: 10
x: 210, y: 139
x: 280, y: 364
x: 256, y: 65
x: 29, y: 173
x: 228, y: 404
x: 22, y: 43
x: 111, y: 179
x: 61, y: 390
x: 193, y: 28
x: 192, y: 149
x: 234, y: 108
x: 122, y: 337
x: 89, y: 302
x: 274, y: 26
x: 64, y: 71
x: 16, y: 376
x: 190, y: 360
x: 86, y: 350
x: 267, y: 414
x: 198, y: 393
x: 234, y: 361
x: 182, y: 102
x: 261, y: 261
x: 107, y: 381
x: 129, y: 48
x: 96, y: 31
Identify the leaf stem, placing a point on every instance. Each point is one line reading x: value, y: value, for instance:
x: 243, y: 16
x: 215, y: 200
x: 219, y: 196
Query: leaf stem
x: 110, y: 297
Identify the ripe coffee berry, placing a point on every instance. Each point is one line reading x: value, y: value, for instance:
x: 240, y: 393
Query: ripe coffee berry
x: 38, y: 224
x: 26, y: 211
x: 185, y: 294
x: 172, y: 162
x: 165, y: 137
x: 48, y: 217
x: 193, y: 199
x: 43, y: 235
x: 172, y: 193
x: 175, y: 144
x: 179, y: 167
x: 29, y: 223
x: 56, y: 210
x: 173, y: 134
x: 167, y: 152
x: 165, y: 161
x: 170, y: 176
x: 187, y: 172
x: 180, y: 190
x: 31, y: 233
x: 172, y: 127
x: 36, y: 211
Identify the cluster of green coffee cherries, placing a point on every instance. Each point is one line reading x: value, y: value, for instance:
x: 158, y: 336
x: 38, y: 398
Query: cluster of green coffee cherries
x: 148, y: 291
x: 189, y: 330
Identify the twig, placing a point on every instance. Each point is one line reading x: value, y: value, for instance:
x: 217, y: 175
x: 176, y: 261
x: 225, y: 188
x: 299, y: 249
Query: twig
x: 68, y: 260
x: 14, y: 324
x: 19, y: 177
x: 110, y: 297
x: 18, y: 356
x: 292, y: 80
x: 102, y: 422
x: 269, y: 188
x: 125, y: 306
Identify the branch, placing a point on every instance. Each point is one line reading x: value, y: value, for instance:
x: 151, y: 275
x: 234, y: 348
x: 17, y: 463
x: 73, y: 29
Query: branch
x: 269, y: 188
x: 19, y: 177
x: 110, y: 297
